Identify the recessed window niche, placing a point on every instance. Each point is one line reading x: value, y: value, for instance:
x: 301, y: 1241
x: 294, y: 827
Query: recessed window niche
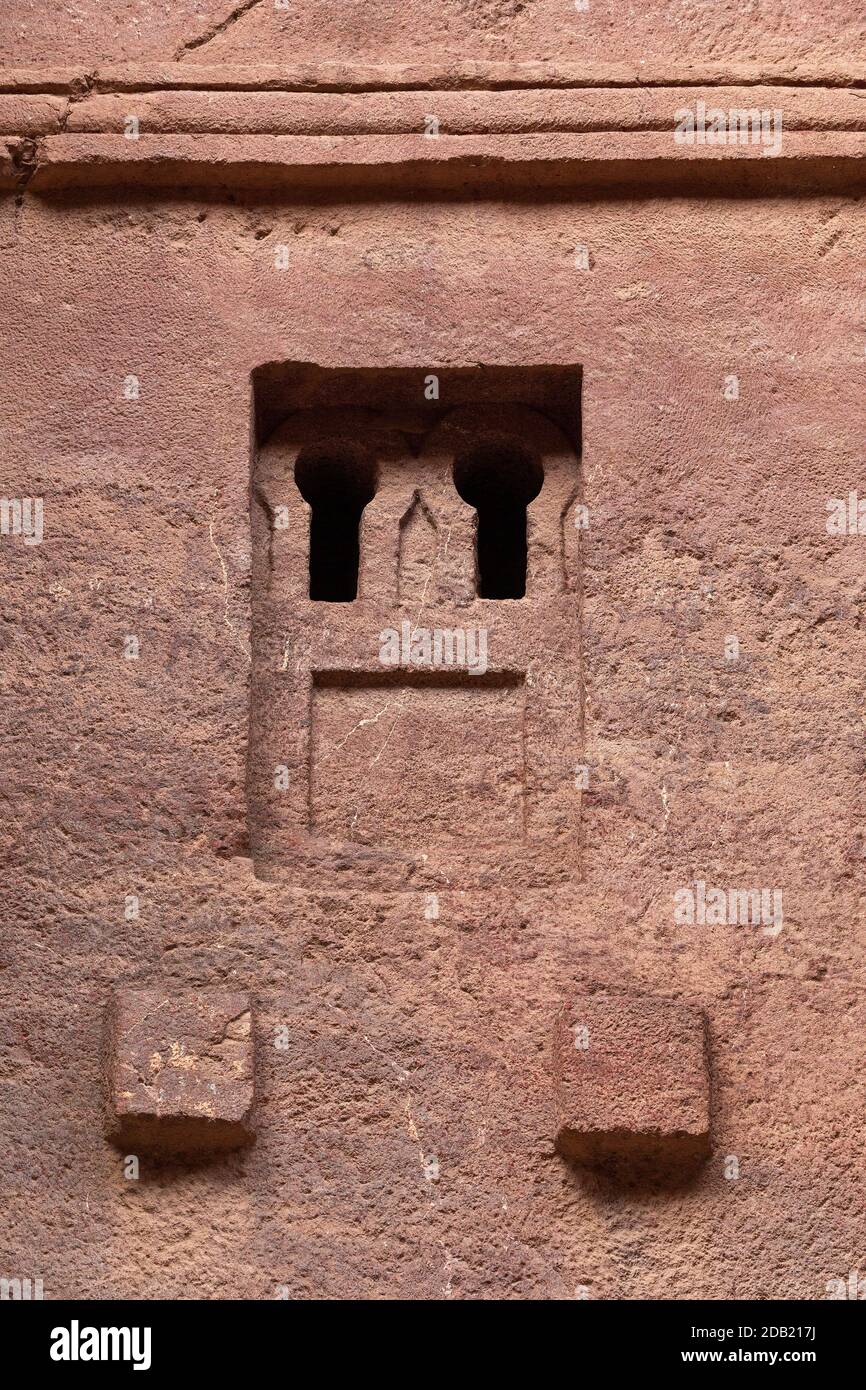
x: 416, y: 707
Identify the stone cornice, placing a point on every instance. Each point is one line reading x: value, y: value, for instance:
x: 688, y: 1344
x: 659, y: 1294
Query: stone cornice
x: 497, y: 126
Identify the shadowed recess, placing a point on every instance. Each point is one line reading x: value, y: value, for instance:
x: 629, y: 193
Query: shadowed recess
x: 337, y: 480
x: 499, y: 478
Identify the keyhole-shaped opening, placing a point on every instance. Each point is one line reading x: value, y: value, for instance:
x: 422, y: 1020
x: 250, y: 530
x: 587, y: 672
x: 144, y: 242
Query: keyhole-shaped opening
x: 499, y: 478
x: 337, y: 480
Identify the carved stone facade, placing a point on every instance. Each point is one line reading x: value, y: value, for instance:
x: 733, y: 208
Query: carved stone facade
x: 432, y: 646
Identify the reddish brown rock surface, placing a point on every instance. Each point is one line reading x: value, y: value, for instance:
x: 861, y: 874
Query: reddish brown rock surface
x: 174, y: 308
x: 394, y: 31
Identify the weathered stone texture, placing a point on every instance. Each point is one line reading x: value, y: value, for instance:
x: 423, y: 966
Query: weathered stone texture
x: 200, y: 32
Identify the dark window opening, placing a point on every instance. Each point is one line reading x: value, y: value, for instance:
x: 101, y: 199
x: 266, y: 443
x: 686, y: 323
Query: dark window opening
x: 337, y: 481
x: 499, y: 479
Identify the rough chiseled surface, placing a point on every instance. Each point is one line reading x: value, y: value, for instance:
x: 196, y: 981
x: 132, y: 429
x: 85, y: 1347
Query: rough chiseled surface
x: 418, y: 1029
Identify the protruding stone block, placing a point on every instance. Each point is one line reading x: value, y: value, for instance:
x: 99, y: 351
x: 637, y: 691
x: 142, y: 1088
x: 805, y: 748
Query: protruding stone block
x: 180, y: 1071
x: 632, y: 1083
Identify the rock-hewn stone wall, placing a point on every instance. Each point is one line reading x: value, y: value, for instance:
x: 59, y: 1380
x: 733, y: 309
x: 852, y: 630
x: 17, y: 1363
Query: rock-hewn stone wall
x: 402, y: 977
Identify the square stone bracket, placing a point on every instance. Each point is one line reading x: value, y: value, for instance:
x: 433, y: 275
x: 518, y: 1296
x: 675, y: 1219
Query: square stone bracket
x: 180, y: 1071
x: 632, y: 1084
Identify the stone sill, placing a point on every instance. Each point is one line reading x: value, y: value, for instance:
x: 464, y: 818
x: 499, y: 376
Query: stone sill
x: 621, y: 162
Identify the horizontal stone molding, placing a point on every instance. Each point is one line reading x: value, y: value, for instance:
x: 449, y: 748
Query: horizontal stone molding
x: 169, y: 111
x: 528, y: 111
x: 599, y: 162
x: 345, y: 77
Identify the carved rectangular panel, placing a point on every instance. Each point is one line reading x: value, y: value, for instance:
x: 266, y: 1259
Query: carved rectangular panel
x: 413, y: 763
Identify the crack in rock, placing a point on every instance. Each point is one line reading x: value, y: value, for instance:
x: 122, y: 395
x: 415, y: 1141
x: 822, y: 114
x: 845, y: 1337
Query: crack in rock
x: 237, y: 13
